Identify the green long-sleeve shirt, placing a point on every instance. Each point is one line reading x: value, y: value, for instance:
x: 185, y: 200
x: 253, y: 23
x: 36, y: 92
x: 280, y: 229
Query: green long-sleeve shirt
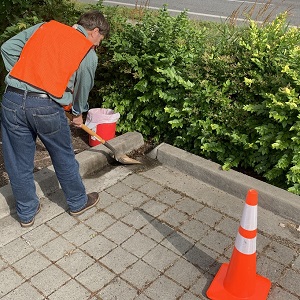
x: 80, y: 83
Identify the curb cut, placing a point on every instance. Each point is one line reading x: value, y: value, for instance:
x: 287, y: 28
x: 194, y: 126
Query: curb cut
x: 276, y: 200
x: 90, y: 161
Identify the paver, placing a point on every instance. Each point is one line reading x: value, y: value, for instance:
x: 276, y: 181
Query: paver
x: 75, y: 262
x: 49, y: 280
x: 24, y: 291
x: 140, y: 274
x: 155, y: 234
x: 57, y: 248
x: 98, y: 246
x: 9, y: 280
x: 95, y: 277
x: 71, y: 290
x: 118, y: 232
x: 118, y: 260
x: 35, y: 260
x: 118, y: 289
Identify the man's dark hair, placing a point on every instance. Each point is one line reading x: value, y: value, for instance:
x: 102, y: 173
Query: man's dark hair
x: 94, y: 19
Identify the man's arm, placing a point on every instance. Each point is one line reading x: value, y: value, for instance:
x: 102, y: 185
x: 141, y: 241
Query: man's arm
x: 84, y: 83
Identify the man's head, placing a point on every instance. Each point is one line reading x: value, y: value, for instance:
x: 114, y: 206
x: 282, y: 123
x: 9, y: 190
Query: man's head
x: 96, y: 26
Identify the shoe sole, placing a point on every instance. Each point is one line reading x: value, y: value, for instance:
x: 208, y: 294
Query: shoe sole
x: 84, y: 209
x: 25, y: 225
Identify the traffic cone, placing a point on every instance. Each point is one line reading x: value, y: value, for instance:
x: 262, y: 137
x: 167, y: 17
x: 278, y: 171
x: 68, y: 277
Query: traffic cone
x: 238, y: 279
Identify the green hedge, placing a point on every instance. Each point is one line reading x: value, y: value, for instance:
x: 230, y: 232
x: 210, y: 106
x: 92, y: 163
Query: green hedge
x: 230, y: 94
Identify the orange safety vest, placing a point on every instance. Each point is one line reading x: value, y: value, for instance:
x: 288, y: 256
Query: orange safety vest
x: 50, y: 57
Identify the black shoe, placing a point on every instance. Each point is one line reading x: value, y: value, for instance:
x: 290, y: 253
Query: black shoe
x: 31, y: 222
x: 92, y: 200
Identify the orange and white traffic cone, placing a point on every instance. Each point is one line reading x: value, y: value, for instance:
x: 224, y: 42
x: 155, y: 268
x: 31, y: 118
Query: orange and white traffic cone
x: 238, y: 279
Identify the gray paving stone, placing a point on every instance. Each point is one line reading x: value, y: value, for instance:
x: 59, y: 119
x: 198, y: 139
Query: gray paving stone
x: 160, y: 258
x: 142, y: 296
x: 178, y: 243
x: 24, y: 292
x: 135, y: 181
x: 105, y: 200
x: 57, y: 248
x: 75, y: 263
x: 168, y: 197
x: 200, y: 287
x: 188, y: 205
x: 118, y: 289
x: 290, y: 281
x: 189, y: 296
x: 9, y: 280
x: 62, y: 223
x: 119, y: 209
x: 154, y: 208
x: 208, y: 216
x: 164, y: 289
x: 79, y: 234
x: 98, y: 246
x: 39, y: 236
x: 157, y: 230
x: 119, y: 190
x: 173, y: 217
x: 195, y: 229
x: 118, y: 260
x: 135, y: 219
x: 228, y: 226
x: 135, y: 198
x: 139, y: 244
x: 261, y: 242
x: 140, y: 274
x: 201, y: 257
x: 2, y: 264
x: 49, y: 280
x: 279, y: 294
x: 269, y: 268
x: 100, y: 221
x: 151, y: 189
x: 72, y: 290
x: 183, y: 272
x: 216, y: 241
x: 95, y: 277
x: 15, y: 250
x: 36, y: 261
x: 280, y: 253
x: 118, y: 232
x: 296, y: 264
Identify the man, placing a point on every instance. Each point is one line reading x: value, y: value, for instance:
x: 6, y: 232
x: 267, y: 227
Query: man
x: 51, y: 66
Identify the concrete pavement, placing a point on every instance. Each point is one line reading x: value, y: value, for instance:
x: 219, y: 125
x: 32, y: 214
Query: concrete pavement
x: 160, y: 231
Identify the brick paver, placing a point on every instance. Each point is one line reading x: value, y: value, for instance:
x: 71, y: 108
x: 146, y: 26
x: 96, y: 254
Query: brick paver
x: 156, y: 234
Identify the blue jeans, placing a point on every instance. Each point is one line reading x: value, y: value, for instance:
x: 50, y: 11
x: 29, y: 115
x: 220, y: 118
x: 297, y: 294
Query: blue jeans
x: 23, y: 119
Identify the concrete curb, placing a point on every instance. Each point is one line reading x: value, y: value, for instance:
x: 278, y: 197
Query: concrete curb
x: 274, y: 199
x: 90, y: 161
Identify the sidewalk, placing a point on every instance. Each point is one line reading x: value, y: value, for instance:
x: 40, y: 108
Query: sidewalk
x: 161, y: 230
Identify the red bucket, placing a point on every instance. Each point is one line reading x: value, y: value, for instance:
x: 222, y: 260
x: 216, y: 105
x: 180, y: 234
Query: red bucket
x: 106, y: 130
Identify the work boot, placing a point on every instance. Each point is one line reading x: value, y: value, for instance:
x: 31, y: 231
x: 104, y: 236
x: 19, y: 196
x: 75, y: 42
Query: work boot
x: 31, y: 222
x: 92, y: 200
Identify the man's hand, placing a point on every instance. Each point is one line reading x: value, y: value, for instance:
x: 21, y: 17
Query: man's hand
x: 77, y: 121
